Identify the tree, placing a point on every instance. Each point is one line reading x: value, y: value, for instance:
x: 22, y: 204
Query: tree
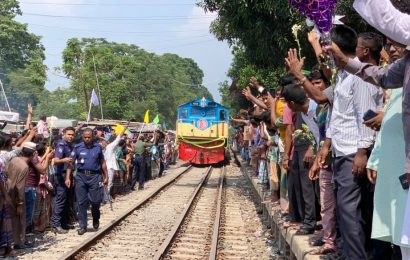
x: 21, y: 59
x: 260, y: 32
x: 60, y: 103
x: 17, y: 45
x: 130, y: 79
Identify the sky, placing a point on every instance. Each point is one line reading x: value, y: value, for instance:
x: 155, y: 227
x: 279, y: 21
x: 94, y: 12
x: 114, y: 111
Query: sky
x: 159, y: 26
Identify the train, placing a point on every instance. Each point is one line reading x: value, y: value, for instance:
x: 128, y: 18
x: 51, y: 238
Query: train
x: 202, y: 132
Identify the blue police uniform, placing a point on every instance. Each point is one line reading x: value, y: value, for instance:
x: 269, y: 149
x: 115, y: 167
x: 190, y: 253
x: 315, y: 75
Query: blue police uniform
x: 61, y: 210
x: 88, y: 180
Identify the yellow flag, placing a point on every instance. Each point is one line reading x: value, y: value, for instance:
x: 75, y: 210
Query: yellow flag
x: 118, y: 129
x: 146, y: 117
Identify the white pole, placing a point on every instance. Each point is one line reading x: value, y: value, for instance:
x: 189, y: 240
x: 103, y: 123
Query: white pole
x: 98, y: 87
x: 89, y: 113
x: 139, y: 135
x: 5, y: 97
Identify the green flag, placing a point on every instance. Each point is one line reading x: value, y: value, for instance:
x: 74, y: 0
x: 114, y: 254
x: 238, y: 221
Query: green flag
x: 156, y: 120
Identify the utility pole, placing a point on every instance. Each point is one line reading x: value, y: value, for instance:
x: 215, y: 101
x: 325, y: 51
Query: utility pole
x: 4, y: 94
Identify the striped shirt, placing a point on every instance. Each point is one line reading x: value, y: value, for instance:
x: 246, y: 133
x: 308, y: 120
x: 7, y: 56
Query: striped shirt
x: 353, y: 97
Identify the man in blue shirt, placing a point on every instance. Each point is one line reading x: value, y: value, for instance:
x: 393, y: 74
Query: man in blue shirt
x: 62, y: 161
x: 90, y: 179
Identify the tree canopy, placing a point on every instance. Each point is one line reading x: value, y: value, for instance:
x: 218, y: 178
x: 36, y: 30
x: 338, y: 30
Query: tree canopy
x: 21, y: 59
x: 260, y: 32
x: 130, y: 79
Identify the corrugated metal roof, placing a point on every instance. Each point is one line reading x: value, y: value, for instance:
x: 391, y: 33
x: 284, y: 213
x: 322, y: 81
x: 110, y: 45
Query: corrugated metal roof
x: 134, y: 126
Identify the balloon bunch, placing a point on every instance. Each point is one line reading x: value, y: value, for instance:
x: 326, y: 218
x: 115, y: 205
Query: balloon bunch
x: 319, y: 11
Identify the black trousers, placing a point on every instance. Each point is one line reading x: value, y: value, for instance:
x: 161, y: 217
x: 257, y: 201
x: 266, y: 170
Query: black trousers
x: 138, y: 173
x: 59, y: 217
x: 354, y: 199
x: 301, y: 191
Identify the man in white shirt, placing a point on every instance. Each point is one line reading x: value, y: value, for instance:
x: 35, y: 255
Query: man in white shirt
x: 42, y: 128
x: 300, y: 188
x: 352, y: 141
x: 111, y: 161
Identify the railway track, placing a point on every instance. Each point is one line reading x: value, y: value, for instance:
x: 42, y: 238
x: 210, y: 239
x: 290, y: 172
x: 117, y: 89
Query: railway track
x: 200, y: 213
x: 216, y: 224
x: 195, y: 234
x: 138, y: 234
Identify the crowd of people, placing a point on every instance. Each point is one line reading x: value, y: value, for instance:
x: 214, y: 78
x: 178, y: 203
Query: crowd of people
x: 50, y: 177
x: 333, y: 144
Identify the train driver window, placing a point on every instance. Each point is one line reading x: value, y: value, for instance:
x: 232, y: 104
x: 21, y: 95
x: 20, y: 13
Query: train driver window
x: 222, y: 115
x: 183, y: 114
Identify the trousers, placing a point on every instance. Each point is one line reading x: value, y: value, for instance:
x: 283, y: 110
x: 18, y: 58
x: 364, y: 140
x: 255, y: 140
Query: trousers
x: 88, y: 191
x: 107, y: 191
x: 302, y: 197
x: 30, y: 198
x: 138, y: 174
x: 61, y: 211
x: 354, y: 207
x: 327, y: 207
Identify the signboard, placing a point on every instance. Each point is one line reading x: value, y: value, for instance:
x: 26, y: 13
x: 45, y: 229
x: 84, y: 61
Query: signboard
x: 9, y: 116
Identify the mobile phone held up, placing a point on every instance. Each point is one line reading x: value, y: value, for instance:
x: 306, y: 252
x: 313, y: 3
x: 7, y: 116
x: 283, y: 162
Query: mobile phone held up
x: 403, y: 181
x: 369, y: 115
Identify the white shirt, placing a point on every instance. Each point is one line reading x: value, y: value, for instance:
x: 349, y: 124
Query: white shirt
x: 382, y: 15
x: 109, y: 154
x: 353, y: 97
x: 42, y: 129
x: 311, y: 121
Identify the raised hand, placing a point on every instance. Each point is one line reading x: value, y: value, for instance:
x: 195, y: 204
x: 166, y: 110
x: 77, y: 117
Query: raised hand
x: 312, y: 37
x: 247, y: 92
x: 293, y: 63
x: 254, y: 82
x: 30, y: 109
x: 340, y: 58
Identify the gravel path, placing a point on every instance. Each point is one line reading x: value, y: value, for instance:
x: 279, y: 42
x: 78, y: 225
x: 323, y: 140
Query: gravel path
x: 50, y: 246
x: 140, y: 235
x: 194, y: 238
x: 241, y: 232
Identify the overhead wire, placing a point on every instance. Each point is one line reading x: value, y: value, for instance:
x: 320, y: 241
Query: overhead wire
x: 106, y: 4
x: 109, y: 31
x: 118, y: 18
x: 147, y: 18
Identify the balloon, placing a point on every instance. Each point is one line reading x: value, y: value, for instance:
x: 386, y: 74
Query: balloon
x: 319, y: 11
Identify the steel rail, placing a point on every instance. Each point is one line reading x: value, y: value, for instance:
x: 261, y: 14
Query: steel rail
x: 107, y: 228
x: 217, y: 221
x: 163, y: 249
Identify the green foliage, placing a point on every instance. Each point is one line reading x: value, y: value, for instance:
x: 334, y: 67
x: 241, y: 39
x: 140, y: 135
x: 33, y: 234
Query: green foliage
x: 260, y: 32
x: 21, y: 60
x: 59, y: 103
x: 17, y: 45
x: 130, y: 79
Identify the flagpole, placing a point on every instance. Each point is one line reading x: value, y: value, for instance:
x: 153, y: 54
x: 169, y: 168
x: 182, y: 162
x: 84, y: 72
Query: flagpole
x: 138, y: 138
x: 98, y: 87
x: 89, y: 113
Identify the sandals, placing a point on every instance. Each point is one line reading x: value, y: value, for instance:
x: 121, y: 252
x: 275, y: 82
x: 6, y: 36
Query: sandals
x: 289, y: 224
x: 317, y: 242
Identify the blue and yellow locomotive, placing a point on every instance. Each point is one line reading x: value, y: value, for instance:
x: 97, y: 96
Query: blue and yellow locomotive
x: 202, y: 131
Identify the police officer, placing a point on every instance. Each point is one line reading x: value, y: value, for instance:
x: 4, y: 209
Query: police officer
x: 90, y: 179
x: 139, y: 165
x: 62, y: 160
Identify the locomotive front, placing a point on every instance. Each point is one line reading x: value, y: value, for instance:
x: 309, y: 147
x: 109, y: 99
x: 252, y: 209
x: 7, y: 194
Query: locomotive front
x: 202, y: 131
